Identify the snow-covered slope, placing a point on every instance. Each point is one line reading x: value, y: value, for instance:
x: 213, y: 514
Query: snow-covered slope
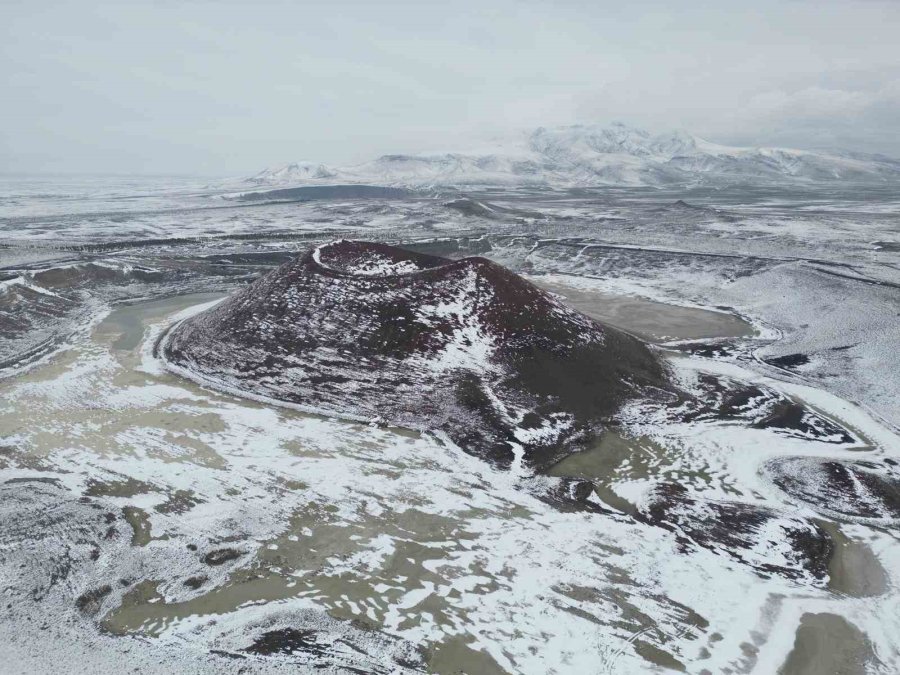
x: 586, y: 155
x: 292, y: 173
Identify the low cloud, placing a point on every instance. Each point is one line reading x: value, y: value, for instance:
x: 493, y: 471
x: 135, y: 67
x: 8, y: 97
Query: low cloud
x: 825, y: 117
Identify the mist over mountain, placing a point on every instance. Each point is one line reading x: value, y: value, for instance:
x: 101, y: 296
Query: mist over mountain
x: 588, y: 155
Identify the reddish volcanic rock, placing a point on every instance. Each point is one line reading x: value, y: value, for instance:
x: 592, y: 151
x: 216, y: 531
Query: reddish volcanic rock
x: 370, y: 331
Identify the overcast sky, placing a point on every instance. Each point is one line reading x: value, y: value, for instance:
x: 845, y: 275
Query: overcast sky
x: 228, y: 88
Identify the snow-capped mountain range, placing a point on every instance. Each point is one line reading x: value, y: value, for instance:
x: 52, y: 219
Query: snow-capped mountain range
x: 586, y: 155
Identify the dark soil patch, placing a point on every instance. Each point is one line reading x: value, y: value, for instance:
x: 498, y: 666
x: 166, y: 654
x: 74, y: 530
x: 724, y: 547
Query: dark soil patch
x: 128, y: 487
x: 222, y: 556
x: 179, y: 502
x: 195, y: 582
x: 89, y: 602
x: 287, y: 641
x: 789, y: 361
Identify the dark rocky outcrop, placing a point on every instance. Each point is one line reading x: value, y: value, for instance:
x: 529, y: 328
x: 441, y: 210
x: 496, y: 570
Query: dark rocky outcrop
x: 767, y: 540
x: 861, y: 489
x: 221, y: 556
x: 465, y: 346
x: 789, y: 361
x: 312, y: 643
x: 724, y: 399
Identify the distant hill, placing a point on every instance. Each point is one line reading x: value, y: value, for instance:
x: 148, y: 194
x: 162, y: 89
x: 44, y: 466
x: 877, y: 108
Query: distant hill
x: 594, y: 155
x: 291, y: 173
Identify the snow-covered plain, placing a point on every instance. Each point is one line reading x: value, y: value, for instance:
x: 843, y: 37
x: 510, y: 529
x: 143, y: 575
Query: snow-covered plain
x: 151, y: 522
